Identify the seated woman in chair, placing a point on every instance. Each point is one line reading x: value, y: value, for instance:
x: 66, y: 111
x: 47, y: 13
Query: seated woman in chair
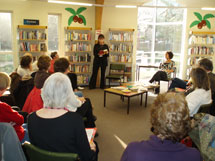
x: 54, y: 128
x: 166, y: 69
x: 171, y: 122
x: 202, y: 93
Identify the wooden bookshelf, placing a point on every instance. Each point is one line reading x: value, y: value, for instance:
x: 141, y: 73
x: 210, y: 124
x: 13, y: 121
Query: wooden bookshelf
x: 32, y: 27
x: 78, y: 28
x: 121, y: 29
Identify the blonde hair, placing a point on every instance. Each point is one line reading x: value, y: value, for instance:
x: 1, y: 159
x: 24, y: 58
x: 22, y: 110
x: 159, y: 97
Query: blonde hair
x: 170, y: 116
x: 4, y: 81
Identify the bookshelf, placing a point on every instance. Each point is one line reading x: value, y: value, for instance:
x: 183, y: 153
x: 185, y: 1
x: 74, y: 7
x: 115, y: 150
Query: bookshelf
x: 32, y: 39
x: 78, y: 49
x: 200, y: 45
x: 121, y: 49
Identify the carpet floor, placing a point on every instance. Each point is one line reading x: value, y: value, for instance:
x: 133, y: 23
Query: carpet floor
x: 117, y: 129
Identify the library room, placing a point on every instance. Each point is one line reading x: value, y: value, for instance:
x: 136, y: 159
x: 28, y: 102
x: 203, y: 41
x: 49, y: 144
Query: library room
x: 107, y: 80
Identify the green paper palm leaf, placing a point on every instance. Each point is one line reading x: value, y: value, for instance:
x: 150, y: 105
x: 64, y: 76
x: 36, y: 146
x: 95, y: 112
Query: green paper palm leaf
x: 198, y: 15
x: 70, y: 20
x: 71, y: 10
x: 208, y: 16
x: 194, y: 23
x: 83, y: 18
x: 81, y: 9
x: 208, y: 24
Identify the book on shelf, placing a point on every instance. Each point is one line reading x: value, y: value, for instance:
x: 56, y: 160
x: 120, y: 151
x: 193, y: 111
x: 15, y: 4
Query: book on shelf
x: 83, y: 79
x: 78, y: 36
x: 80, y: 46
x: 121, y: 36
x: 32, y: 35
x: 27, y: 46
x: 194, y: 39
x: 127, y: 69
x: 80, y: 58
x: 80, y: 68
x: 120, y: 58
x: 201, y: 50
x: 121, y: 48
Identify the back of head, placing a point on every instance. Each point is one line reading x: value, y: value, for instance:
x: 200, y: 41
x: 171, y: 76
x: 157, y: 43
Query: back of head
x: 44, y: 62
x: 170, y: 54
x: 53, y: 54
x: 26, y: 60
x: 200, y: 78
x: 206, y: 64
x: 4, y: 81
x: 57, y: 91
x: 61, y: 65
x: 170, y: 116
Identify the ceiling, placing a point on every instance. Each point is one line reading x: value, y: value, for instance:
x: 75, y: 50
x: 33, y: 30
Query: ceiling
x: 184, y: 3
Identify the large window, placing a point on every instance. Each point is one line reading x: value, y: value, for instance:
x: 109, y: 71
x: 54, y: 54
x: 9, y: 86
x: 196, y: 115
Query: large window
x: 53, y: 33
x: 159, y: 30
x: 6, y: 55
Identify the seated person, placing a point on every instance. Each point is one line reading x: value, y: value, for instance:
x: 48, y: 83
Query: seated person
x: 171, y: 122
x: 167, y: 68
x: 34, y: 101
x: 7, y: 114
x: 25, y: 67
x: 54, y: 127
x: 201, y: 93
x: 85, y: 109
x: 54, y: 56
x: 62, y: 65
x: 203, y: 63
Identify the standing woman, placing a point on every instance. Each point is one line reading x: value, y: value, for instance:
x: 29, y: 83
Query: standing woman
x: 101, y: 52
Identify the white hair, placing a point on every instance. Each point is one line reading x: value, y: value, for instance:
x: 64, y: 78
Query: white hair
x: 57, y: 91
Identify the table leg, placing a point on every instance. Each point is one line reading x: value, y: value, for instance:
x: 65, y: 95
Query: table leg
x: 128, y: 105
x: 104, y: 98
x: 146, y: 99
x: 141, y: 99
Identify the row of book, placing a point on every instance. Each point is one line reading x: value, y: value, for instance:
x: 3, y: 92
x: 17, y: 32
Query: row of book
x: 127, y: 69
x: 120, y: 58
x: 80, y: 58
x: 202, y: 39
x: 26, y: 46
x: 121, y: 48
x: 32, y: 35
x: 80, y: 68
x: 201, y: 50
x: 78, y: 36
x: 83, y: 79
x: 121, y: 36
x: 79, y: 47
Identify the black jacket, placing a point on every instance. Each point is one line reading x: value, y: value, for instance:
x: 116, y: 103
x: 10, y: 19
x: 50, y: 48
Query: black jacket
x: 97, y: 59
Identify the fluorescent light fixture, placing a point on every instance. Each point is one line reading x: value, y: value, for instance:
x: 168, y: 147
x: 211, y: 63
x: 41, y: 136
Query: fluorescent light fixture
x: 208, y: 9
x: 71, y: 3
x: 125, y: 6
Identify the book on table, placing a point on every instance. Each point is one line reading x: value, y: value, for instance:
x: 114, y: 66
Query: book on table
x: 91, y: 132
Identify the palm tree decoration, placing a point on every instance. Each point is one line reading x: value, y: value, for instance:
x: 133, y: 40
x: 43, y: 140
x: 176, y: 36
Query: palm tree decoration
x: 202, y: 22
x: 76, y: 16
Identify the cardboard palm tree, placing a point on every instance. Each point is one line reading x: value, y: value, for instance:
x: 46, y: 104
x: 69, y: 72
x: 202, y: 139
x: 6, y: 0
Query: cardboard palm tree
x: 76, y: 16
x: 202, y: 21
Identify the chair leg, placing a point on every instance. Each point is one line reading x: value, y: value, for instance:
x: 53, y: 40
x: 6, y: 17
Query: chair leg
x: 109, y: 83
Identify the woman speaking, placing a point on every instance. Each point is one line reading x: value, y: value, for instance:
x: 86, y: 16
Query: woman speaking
x: 101, y: 52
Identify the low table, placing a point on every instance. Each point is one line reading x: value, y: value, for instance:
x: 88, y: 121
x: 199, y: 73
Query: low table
x: 128, y: 95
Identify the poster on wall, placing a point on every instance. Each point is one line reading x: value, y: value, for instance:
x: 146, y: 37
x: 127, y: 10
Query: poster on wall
x: 97, y: 33
x: 202, y: 21
x: 76, y: 17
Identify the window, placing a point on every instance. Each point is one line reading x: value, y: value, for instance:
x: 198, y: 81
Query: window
x: 53, y: 33
x: 159, y: 30
x: 6, y: 55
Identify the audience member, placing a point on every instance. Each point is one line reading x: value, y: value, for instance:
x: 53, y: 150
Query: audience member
x: 171, y: 122
x: 201, y: 93
x: 54, y: 127
x: 7, y: 114
x: 25, y: 67
x: 34, y: 101
x: 54, y: 56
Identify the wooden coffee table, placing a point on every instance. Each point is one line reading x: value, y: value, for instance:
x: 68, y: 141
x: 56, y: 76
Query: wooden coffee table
x: 128, y: 95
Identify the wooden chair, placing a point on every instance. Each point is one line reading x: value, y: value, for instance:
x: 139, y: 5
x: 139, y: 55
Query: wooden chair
x: 34, y: 153
x: 116, y: 72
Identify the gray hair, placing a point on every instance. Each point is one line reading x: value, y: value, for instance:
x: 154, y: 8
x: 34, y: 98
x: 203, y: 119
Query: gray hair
x: 57, y: 91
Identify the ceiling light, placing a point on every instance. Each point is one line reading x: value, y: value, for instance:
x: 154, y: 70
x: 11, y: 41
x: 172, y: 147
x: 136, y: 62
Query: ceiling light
x: 125, y: 6
x: 72, y: 3
x: 208, y: 9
